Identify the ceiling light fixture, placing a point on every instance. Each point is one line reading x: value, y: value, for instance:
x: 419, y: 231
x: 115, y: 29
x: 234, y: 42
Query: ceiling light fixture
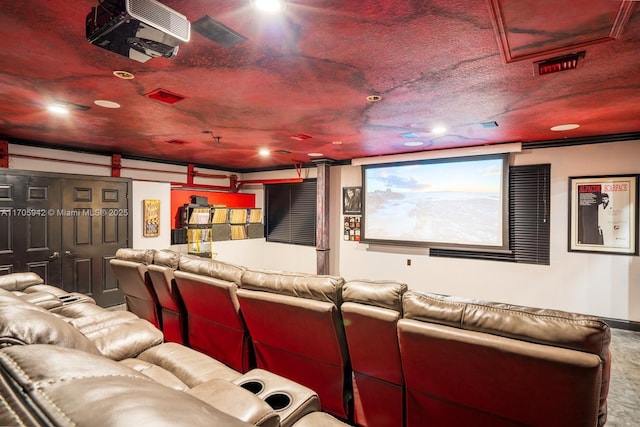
x: 106, y: 104
x: 315, y: 154
x: 439, y: 130
x: 413, y: 143
x: 561, y: 128
x: 269, y: 6
x: 374, y: 98
x: 123, y: 75
x: 264, y: 152
x: 59, y: 109
x: 58, y: 106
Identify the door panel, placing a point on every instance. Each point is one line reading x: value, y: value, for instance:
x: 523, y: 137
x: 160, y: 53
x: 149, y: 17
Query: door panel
x: 30, y: 230
x: 96, y: 226
x: 65, y: 228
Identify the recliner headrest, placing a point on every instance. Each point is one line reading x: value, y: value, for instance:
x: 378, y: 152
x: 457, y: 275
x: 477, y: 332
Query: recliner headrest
x: 144, y: 256
x: 212, y: 268
x: 19, y: 281
x: 385, y: 294
x: 167, y: 258
x: 310, y: 286
x: 23, y: 323
x: 542, y: 326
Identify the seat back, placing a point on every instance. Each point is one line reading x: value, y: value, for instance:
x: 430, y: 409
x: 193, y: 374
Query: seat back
x: 130, y: 269
x: 215, y: 324
x: 371, y: 311
x: 161, y: 274
x: 297, y: 332
x: 478, y: 363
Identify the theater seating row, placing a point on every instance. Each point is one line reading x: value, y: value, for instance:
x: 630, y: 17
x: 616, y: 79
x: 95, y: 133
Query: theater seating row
x: 64, y: 361
x: 376, y: 353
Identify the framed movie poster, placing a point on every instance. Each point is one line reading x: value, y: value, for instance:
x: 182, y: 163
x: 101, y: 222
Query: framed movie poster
x: 151, y: 218
x: 603, y: 214
x: 352, y: 200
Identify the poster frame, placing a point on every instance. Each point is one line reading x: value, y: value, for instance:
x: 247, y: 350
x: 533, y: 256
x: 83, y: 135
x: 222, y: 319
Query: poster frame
x: 592, y: 199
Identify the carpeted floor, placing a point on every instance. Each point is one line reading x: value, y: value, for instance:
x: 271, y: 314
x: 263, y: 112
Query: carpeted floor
x: 624, y: 387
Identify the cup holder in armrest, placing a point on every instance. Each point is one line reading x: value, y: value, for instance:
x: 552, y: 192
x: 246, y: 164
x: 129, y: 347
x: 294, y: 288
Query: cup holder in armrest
x: 278, y: 401
x: 253, y: 386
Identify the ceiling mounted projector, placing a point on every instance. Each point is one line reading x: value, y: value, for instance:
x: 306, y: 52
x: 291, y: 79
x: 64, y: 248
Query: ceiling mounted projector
x: 137, y: 29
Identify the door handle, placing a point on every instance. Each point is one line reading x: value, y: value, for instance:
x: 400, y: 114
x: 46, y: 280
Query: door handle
x: 69, y: 253
x: 54, y: 256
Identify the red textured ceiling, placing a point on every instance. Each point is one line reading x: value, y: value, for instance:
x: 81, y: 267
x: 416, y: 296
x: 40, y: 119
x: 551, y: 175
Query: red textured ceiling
x: 309, y: 72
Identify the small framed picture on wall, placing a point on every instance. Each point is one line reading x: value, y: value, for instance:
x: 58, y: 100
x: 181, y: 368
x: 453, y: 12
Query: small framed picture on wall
x: 151, y: 218
x: 352, y: 200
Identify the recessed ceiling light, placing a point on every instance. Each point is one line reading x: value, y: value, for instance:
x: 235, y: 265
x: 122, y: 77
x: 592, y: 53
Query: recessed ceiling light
x: 413, y: 143
x: 336, y: 142
x: 561, y: 128
x: 58, y: 109
x: 106, y: 104
x: 439, y: 130
x: 374, y: 98
x: 123, y: 75
x: 264, y: 152
x: 271, y: 6
x: 315, y: 154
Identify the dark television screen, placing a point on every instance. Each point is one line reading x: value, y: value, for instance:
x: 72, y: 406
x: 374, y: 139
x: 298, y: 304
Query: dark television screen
x: 456, y: 202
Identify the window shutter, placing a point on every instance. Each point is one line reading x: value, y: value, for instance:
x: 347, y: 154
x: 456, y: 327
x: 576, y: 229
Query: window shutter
x: 290, y: 212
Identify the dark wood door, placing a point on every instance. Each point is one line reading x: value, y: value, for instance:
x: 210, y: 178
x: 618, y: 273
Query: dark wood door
x: 65, y: 228
x: 95, y: 225
x: 30, y: 230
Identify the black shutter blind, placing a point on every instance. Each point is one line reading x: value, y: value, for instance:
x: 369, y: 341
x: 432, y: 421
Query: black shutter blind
x: 529, y: 229
x: 529, y: 199
x: 290, y: 212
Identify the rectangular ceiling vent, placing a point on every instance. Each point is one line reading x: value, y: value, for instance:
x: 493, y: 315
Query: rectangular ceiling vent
x: 165, y: 96
x: 217, y: 32
x: 176, y: 142
x: 559, y: 63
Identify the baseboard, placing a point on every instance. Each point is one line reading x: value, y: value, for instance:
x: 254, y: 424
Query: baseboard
x: 628, y: 325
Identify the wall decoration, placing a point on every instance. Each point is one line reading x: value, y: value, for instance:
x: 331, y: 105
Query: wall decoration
x: 352, y: 200
x: 352, y: 228
x: 603, y: 214
x: 151, y: 218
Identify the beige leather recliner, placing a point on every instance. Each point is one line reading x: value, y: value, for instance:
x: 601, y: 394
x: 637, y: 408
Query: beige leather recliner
x: 215, y: 323
x: 173, y: 312
x: 371, y: 310
x: 470, y: 362
x: 297, y: 332
x: 130, y: 268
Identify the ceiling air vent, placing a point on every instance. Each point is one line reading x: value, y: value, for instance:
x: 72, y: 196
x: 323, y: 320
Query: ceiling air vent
x: 165, y: 96
x: 559, y: 63
x: 176, y: 142
x: 217, y: 32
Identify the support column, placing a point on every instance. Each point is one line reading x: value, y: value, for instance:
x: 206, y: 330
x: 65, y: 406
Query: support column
x: 116, y: 164
x: 322, y: 216
x: 4, y: 154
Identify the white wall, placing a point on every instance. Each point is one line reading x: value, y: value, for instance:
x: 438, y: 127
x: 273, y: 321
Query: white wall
x: 143, y: 190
